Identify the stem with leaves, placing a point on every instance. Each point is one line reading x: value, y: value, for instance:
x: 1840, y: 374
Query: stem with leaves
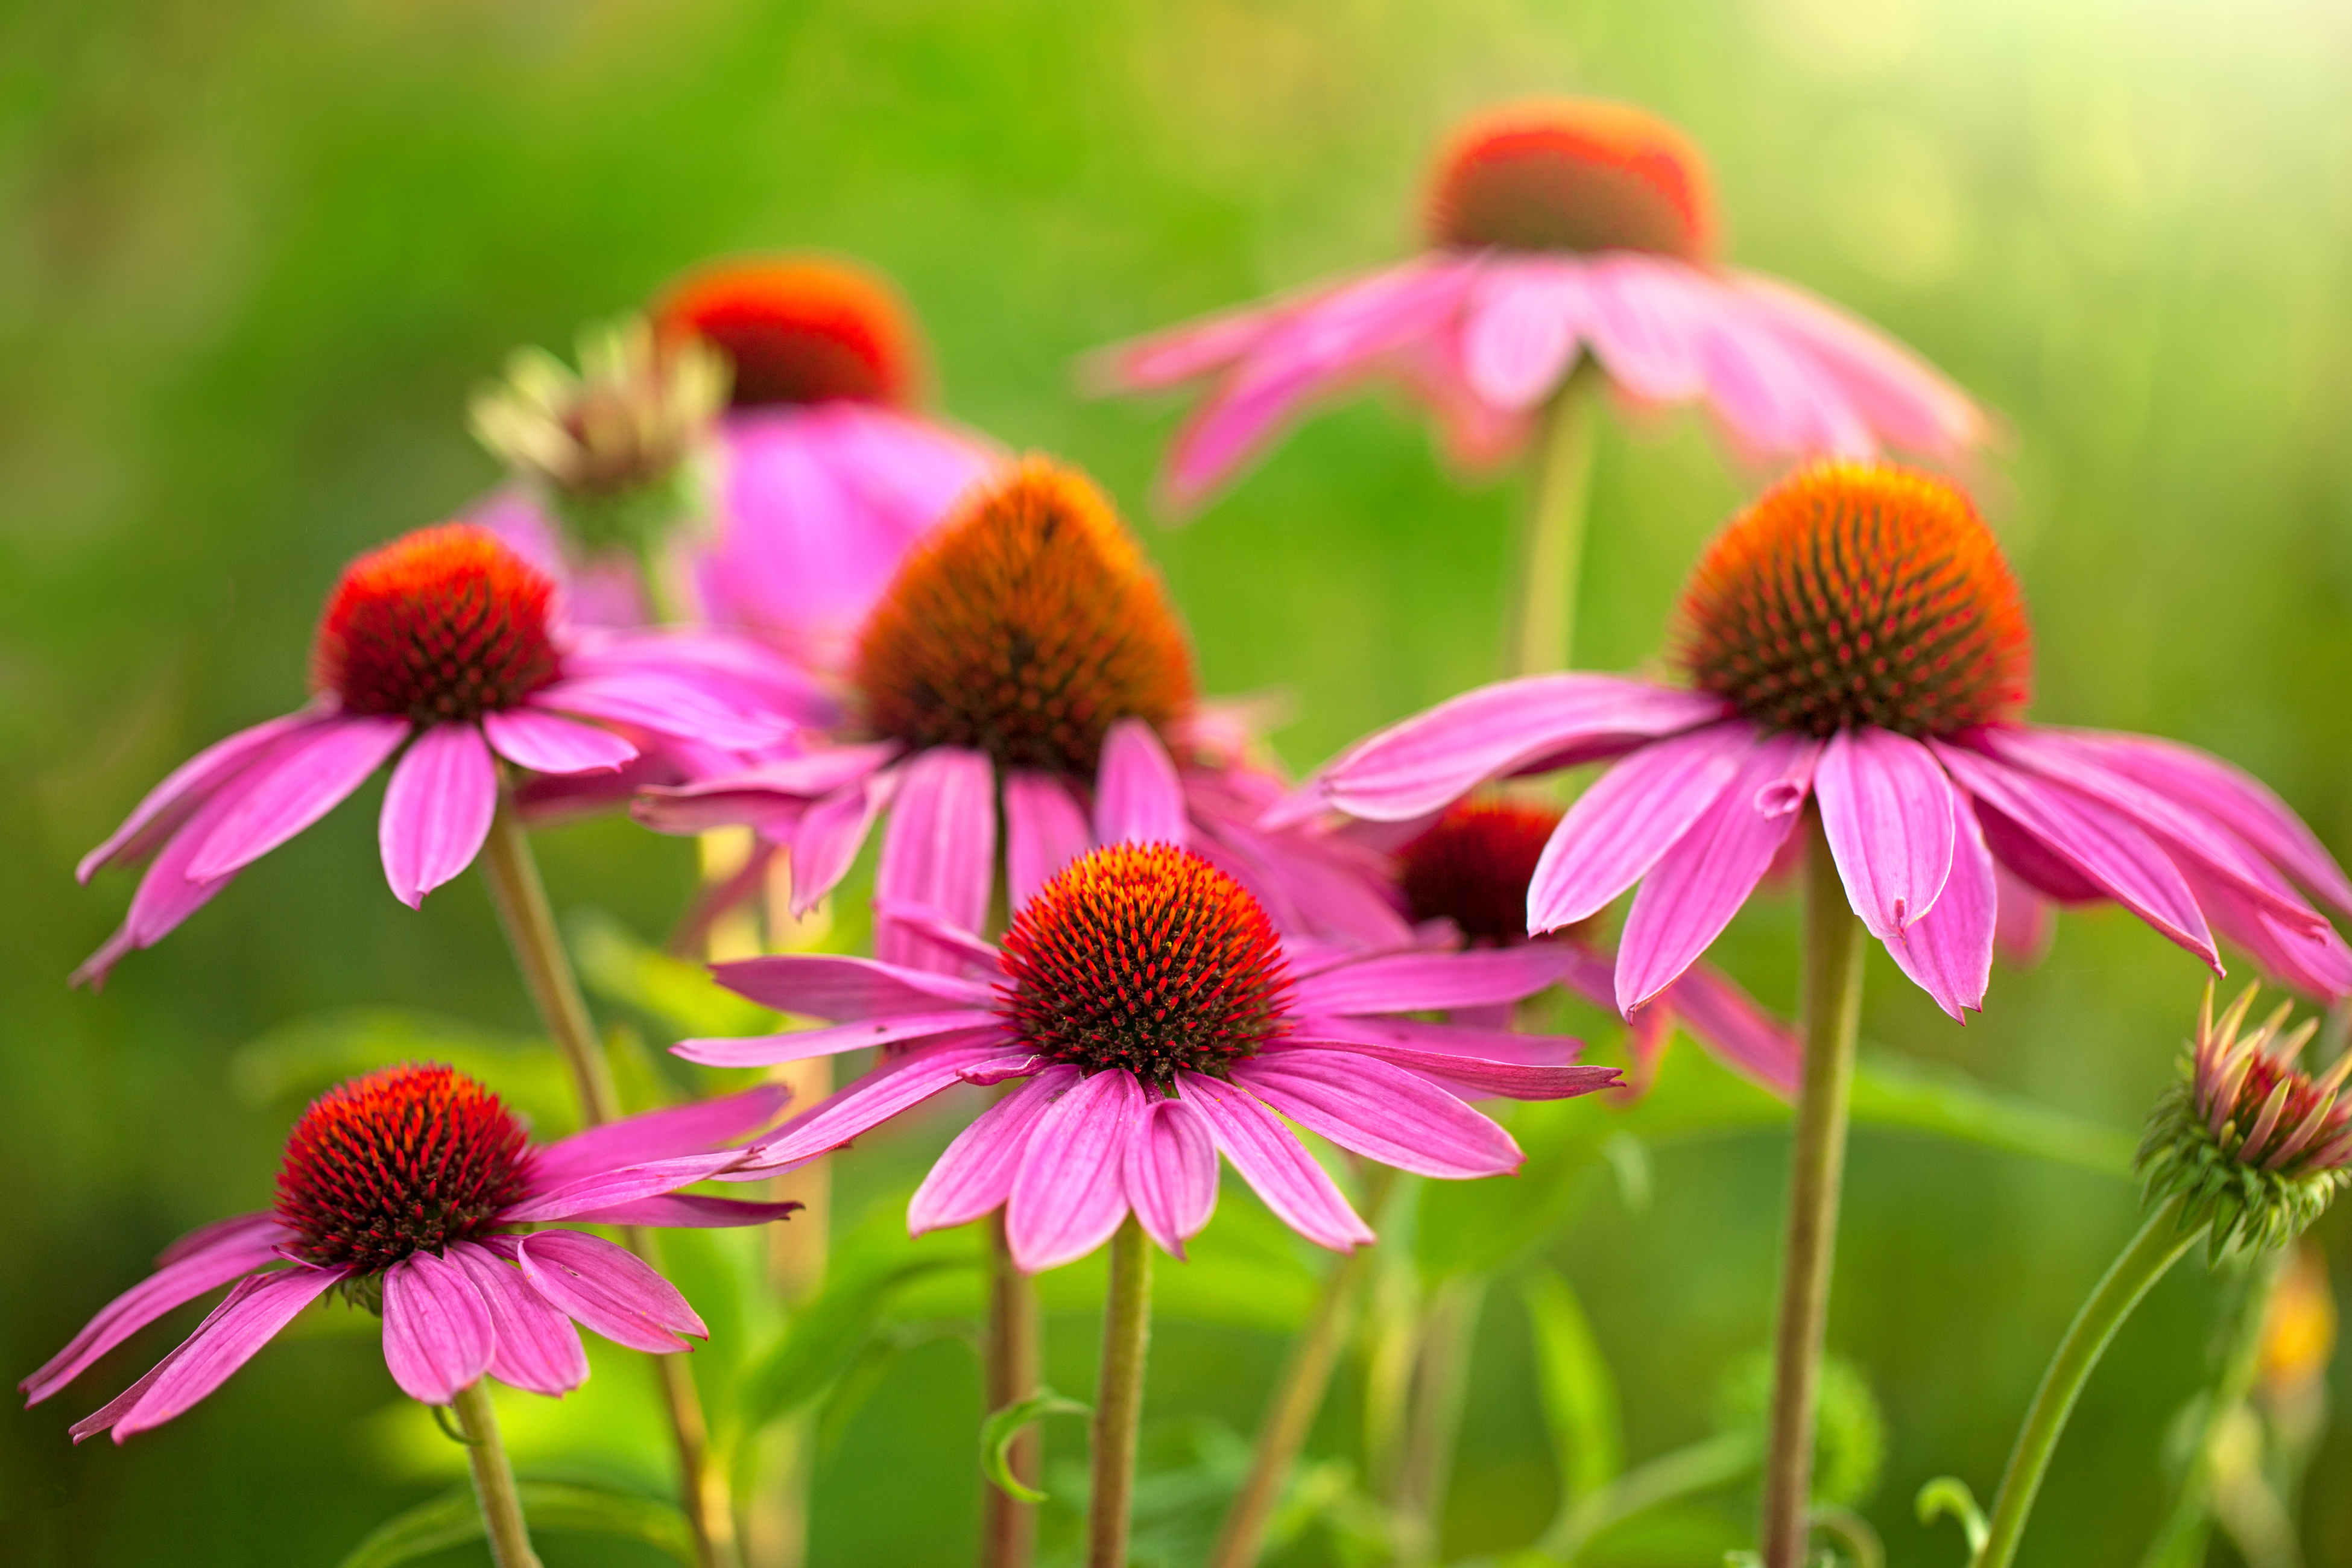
x: 494, y: 1482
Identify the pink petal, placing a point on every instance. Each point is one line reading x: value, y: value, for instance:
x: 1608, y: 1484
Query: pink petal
x: 1907, y: 402
x: 690, y: 1211
x: 667, y: 704
x: 2316, y: 962
x: 166, y: 895
x: 1948, y: 951
x: 302, y: 783
x: 698, y: 1128
x: 1380, y: 1112
x: 828, y: 985
x: 1185, y: 352
x: 1417, y: 982
x: 875, y: 1097
x: 1171, y: 1172
x: 1771, y: 397
x: 1888, y: 812
x: 1491, y: 1041
x: 1520, y: 331
x: 940, y: 849
x: 1698, y: 884
x: 1137, y: 797
x: 178, y: 1281
x: 219, y: 1234
x: 1632, y: 813
x: 437, y: 810
x: 1274, y: 1164
x: 536, y: 1346
x: 1510, y: 1079
x: 830, y: 833
x: 1427, y: 763
x: 1068, y: 1193
x: 186, y: 788
x: 1044, y: 831
x: 974, y: 1175
x: 1736, y: 1029
x: 603, y: 1190
x: 604, y: 1287
x: 437, y: 1333
x: 950, y: 936
x: 548, y: 743
x: 766, y: 1051
x: 1644, y: 325
x: 256, y: 1311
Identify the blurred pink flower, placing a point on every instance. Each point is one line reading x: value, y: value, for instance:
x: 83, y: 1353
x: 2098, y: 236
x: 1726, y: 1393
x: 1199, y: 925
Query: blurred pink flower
x: 408, y: 1188
x: 1157, y: 1020
x: 1557, y: 229
x: 1857, y: 641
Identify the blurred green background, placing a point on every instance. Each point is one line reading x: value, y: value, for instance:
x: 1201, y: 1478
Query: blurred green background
x: 252, y: 258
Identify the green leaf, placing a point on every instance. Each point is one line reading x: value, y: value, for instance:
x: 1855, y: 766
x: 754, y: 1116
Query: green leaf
x: 997, y: 1433
x: 1578, y: 1392
x: 823, y: 1340
x: 1949, y: 1495
x: 675, y: 992
x: 314, y: 1051
x: 1892, y: 1091
x: 454, y: 1518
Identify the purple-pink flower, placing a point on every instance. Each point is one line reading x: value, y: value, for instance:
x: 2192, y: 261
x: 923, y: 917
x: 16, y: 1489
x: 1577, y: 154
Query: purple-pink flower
x: 1856, y: 642
x: 1151, y: 1019
x: 1557, y: 229
x: 448, y: 643
x: 416, y: 1192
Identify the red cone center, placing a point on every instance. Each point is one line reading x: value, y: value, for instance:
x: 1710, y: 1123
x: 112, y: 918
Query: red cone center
x: 445, y: 623
x: 1472, y: 866
x: 800, y: 330
x: 1573, y: 175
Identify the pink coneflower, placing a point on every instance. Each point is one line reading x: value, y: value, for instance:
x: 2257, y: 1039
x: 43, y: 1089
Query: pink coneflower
x: 413, y: 1190
x: 1025, y: 659
x: 1856, y: 640
x: 1556, y: 229
x: 1471, y: 869
x: 445, y: 642
x: 1145, y: 999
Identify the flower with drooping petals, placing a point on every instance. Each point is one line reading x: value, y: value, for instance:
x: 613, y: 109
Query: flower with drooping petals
x: 1856, y: 640
x: 1025, y: 661
x: 1155, y: 1020
x: 449, y: 644
x: 1556, y: 229
x: 410, y: 1190
x: 2254, y: 1145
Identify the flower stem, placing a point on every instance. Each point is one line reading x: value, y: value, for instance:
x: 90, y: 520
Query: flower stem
x: 2159, y: 1246
x: 2181, y: 1538
x: 1440, y: 1388
x: 494, y: 1482
x: 1298, y: 1395
x: 1551, y: 535
x: 1832, y: 1001
x: 522, y: 901
x: 1008, y: 1527
x: 1119, y: 1395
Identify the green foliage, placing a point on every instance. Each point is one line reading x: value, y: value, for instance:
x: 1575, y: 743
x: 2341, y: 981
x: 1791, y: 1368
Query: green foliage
x: 1001, y: 1427
x: 453, y: 1517
x: 1580, y: 1393
x: 676, y: 993
x: 1949, y: 1497
x: 1849, y: 1429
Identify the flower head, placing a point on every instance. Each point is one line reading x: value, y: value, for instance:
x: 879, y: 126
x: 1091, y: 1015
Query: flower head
x: 799, y: 330
x: 415, y: 1192
x: 445, y: 623
x: 2254, y: 1145
x: 1573, y: 175
x: 1472, y: 867
x: 1154, y: 1021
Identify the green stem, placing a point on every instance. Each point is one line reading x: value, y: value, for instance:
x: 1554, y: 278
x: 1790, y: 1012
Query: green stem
x: 1831, y: 1001
x: 494, y: 1482
x: 2181, y: 1540
x: 1440, y: 1388
x: 1119, y: 1395
x: 1298, y: 1395
x: 521, y: 899
x: 1008, y: 1527
x: 1542, y: 625
x: 2159, y: 1244
x: 1685, y: 1472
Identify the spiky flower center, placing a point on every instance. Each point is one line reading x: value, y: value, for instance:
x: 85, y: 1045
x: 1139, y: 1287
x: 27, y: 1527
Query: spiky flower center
x: 1856, y: 594
x: 1145, y: 958
x: 800, y: 330
x: 405, y: 1160
x: 445, y: 623
x: 1472, y: 866
x: 1573, y: 175
x: 1024, y: 627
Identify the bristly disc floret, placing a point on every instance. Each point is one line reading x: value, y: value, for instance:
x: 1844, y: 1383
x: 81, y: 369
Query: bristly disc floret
x: 1573, y: 175
x: 445, y: 623
x: 2250, y: 1141
x: 1024, y: 625
x: 404, y: 1159
x: 1145, y: 958
x: 1472, y: 866
x: 1854, y: 594
x: 799, y: 330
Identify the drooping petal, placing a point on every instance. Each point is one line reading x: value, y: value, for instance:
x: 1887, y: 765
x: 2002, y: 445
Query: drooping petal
x: 1771, y: 396
x: 187, y: 788
x: 603, y: 1190
x: 1380, y: 1112
x: 1949, y: 952
x: 1044, y: 831
x: 220, y: 1232
x: 688, y: 1211
x: 667, y: 704
x: 608, y: 1289
x: 2023, y: 921
x: 1069, y: 1192
x: 876, y: 1097
x: 550, y: 743
x: 830, y: 986
x: 1171, y: 1172
x: 1521, y: 328
x: 1185, y: 352
x: 1276, y: 1164
x: 767, y: 1050
x: 1887, y: 813
x: 1479, y: 1075
x: 178, y: 1281
x: 437, y: 1333
x: 1646, y: 326
x: 951, y: 937
x: 536, y: 1347
x: 976, y: 1173
x: 1417, y: 982
x: 695, y: 1128
x: 1137, y: 797
x: 256, y: 1311
x: 1690, y: 894
x: 830, y: 833
x: 939, y: 848
x: 166, y: 895
x: 299, y: 783
x: 1907, y: 402
x: 437, y: 810
x: 1632, y: 815
x: 2316, y: 962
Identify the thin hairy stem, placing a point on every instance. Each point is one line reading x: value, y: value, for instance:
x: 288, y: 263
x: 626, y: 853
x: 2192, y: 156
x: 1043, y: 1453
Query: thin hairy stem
x: 494, y: 1482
